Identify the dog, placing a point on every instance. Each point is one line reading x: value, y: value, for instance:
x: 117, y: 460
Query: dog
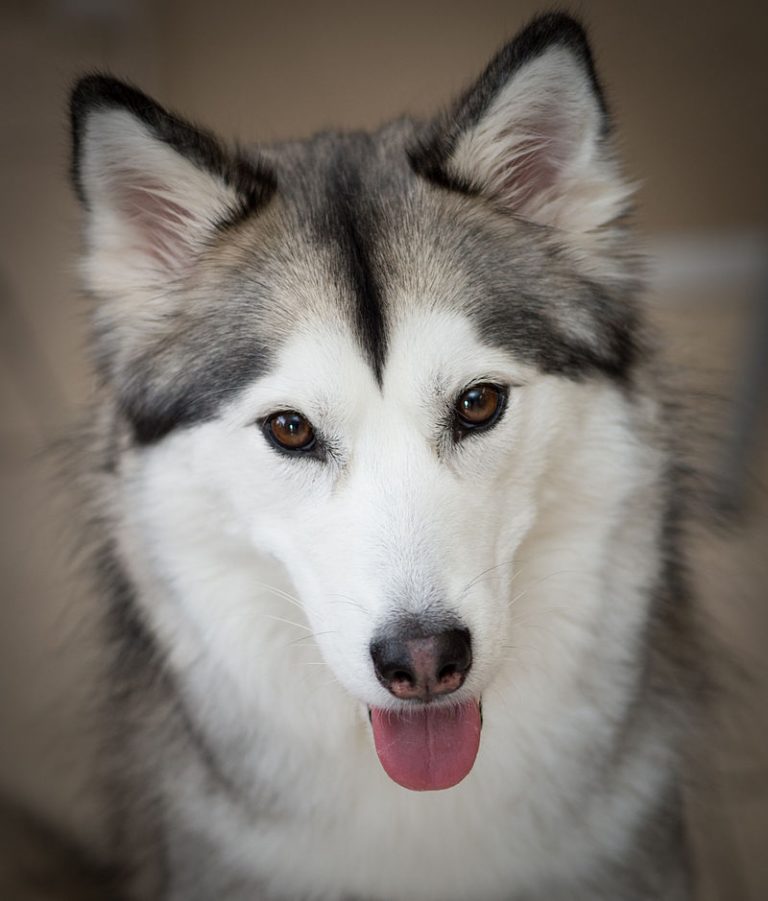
x: 385, y: 509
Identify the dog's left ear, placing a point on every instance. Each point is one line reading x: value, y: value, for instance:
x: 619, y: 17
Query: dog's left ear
x: 533, y: 134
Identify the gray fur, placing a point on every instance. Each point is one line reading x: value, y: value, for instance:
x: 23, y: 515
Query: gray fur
x: 349, y: 231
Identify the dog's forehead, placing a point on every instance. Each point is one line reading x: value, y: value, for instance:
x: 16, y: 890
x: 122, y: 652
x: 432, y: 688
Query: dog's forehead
x: 431, y: 353
x: 347, y: 202
x: 354, y: 239
x: 359, y: 237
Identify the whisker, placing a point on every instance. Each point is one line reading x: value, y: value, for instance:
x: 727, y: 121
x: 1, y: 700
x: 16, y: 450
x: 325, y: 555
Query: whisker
x: 343, y: 598
x: 560, y: 572
x: 524, y: 563
x: 297, y: 641
x: 484, y: 572
x: 281, y: 593
x: 288, y: 622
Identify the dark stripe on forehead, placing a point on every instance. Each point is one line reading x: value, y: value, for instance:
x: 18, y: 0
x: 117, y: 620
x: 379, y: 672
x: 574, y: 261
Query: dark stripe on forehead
x: 354, y: 223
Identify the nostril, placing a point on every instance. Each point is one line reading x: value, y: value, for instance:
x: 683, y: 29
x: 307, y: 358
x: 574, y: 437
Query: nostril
x: 455, y: 654
x: 401, y: 676
x: 391, y: 664
x: 417, y: 664
x: 450, y: 669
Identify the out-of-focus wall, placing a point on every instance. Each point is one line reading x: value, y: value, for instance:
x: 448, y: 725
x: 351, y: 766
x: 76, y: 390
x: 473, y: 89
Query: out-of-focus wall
x: 687, y: 81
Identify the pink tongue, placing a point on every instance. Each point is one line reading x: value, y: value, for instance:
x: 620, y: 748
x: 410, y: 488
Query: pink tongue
x: 428, y: 748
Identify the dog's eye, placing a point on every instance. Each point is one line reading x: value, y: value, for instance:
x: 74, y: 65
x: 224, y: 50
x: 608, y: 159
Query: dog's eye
x: 479, y: 407
x: 290, y: 431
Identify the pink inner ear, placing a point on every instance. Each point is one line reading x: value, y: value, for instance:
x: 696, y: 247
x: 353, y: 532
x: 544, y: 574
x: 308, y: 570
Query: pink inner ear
x: 163, y: 227
x: 535, y: 154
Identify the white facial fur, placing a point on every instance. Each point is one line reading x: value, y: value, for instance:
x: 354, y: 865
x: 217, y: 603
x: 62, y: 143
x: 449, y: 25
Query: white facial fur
x: 260, y: 574
x: 400, y: 519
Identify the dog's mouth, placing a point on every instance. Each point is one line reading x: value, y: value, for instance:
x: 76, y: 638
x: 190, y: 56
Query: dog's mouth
x: 430, y: 747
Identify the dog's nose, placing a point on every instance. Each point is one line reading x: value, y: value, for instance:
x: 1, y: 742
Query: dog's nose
x: 415, y: 666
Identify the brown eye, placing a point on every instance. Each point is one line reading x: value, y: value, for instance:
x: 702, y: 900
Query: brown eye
x: 479, y: 407
x: 290, y: 431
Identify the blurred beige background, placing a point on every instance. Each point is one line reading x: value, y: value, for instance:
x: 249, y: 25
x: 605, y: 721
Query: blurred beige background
x: 687, y: 82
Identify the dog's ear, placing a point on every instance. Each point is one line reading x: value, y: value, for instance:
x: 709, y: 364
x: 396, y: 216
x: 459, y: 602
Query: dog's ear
x: 533, y: 134
x: 155, y: 188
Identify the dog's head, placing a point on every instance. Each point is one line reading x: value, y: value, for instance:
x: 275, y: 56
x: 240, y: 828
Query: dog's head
x: 374, y: 358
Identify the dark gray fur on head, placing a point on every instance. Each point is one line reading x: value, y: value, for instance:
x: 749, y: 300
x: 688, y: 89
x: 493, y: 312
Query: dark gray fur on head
x: 361, y: 213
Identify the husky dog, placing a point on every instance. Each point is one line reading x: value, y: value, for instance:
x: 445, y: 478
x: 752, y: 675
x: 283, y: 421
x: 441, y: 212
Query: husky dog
x: 387, y: 520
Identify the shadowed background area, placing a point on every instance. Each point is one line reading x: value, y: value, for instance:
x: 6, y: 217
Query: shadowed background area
x: 687, y: 83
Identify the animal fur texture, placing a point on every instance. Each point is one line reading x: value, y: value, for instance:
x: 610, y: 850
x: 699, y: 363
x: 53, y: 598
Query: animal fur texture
x: 366, y: 285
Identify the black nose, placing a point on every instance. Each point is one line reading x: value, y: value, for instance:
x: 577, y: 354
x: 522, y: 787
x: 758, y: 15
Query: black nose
x: 417, y: 665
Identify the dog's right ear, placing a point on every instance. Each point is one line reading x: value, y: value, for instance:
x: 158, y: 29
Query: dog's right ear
x: 155, y: 188
x: 532, y: 135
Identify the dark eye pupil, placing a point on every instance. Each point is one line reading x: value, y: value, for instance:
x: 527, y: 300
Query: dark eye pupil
x: 292, y: 424
x: 474, y: 400
x: 478, y: 408
x: 479, y: 404
x: 291, y: 431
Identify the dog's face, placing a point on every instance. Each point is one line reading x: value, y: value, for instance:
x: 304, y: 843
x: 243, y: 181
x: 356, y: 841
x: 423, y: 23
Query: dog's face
x: 373, y: 358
